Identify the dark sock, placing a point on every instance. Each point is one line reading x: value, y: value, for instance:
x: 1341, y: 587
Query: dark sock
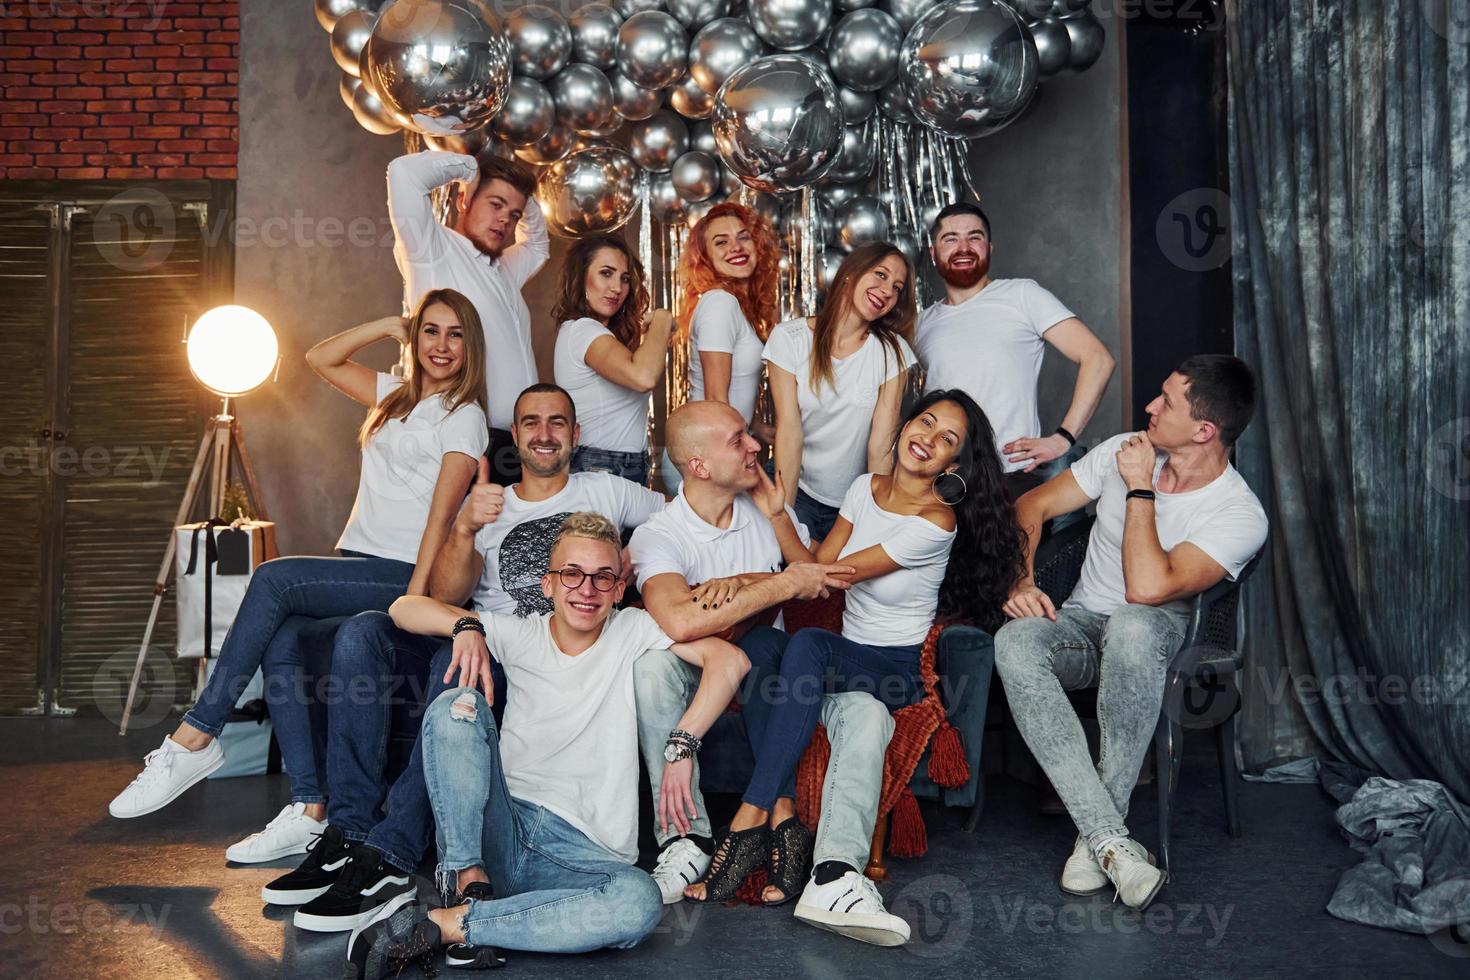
x: 705, y: 844
x: 830, y: 871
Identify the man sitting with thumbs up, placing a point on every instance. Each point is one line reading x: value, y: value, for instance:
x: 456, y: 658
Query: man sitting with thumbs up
x: 495, y: 555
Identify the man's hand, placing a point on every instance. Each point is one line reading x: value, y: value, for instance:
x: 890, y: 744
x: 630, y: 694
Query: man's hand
x: 769, y: 497
x: 716, y: 592
x: 1027, y: 600
x: 675, y: 801
x: 471, y: 660
x: 1136, y: 459
x: 810, y: 580
x: 484, y: 504
x: 1036, y: 450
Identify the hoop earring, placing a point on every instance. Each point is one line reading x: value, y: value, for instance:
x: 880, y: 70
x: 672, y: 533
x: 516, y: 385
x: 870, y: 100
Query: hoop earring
x: 946, y: 498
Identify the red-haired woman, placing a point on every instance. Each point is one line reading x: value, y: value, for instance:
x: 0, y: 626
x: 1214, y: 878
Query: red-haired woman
x: 729, y: 276
x: 609, y: 355
x: 837, y: 382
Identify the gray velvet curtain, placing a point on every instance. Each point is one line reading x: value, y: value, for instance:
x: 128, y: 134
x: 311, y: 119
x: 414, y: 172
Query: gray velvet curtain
x: 1350, y: 189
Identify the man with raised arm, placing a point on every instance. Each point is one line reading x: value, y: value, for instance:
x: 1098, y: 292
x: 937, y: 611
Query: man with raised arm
x: 497, y: 243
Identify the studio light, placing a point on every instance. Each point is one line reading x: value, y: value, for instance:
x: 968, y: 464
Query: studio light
x: 232, y: 350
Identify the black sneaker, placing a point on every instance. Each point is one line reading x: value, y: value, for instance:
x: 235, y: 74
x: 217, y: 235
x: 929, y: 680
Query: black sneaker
x: 390, y: 940
x: 465, y: 956
x: 364, y: 888
x: 325, y: 858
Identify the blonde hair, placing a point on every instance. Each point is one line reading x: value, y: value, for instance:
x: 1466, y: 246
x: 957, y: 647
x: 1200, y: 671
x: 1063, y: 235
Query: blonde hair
x: 469, y: 387
x: 592, y: 526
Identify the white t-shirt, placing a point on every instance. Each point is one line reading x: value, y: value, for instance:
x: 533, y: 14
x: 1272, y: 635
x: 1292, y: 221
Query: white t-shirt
x: 432, y: 256
x: 569, y: 735
x: 896, y: 609
x: 680, y: 541
x: 1223, y: 519
x: 400, y: 466
x: 991, y: 347
x: 517, y: 547
x: 835, y: 421
x: 718, y: 324
x: 611, y: 417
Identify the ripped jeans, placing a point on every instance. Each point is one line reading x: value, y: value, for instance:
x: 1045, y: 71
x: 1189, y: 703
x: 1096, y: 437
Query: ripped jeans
x: 1126, y: 655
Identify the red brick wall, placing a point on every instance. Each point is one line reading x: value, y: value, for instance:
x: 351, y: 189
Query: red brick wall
x: 105, y: 89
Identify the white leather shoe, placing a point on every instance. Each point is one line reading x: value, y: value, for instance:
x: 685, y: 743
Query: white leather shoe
x: 851, y: 907
x: 1131, y: 870
x: 1082, y: 875
x: 168, y: 771
x: 287, y: 834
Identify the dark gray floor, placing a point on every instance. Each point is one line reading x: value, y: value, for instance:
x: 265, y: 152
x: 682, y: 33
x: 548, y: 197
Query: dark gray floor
x: 84, y: 895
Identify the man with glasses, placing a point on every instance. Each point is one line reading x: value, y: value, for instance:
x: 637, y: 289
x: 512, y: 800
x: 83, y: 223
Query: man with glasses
x: 538, y: 816
x: 496, y: 555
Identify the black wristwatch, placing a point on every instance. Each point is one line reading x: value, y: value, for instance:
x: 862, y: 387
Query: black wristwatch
x: 1140, y: 494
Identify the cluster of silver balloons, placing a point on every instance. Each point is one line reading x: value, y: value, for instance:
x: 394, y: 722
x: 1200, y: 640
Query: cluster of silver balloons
x: 706, y: 95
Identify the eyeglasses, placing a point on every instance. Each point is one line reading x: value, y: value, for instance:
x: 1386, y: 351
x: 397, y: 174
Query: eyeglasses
x: 572, y: 577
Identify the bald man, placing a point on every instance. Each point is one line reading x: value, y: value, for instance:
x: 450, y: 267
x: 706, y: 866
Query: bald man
x: 711, y: 531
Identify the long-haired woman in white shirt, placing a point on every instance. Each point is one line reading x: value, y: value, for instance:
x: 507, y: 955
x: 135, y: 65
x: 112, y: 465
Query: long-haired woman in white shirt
x: 421, y: 442
x: 837, y: 381
x: 609, y: 354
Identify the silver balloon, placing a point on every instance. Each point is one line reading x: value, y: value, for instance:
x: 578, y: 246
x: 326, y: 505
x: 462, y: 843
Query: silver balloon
x: 690, y: 101
x: 702, y: 138
x: 730, y: 184
x: 695, y: 212
x: 347, y: 87
x: 540, y: 40
x: 719, y: 48
x: 528, y: 114
x: 608, y: 133
x: 475, y: 143
x: 816, y: 54
x: 843, y: 6
x: 861, y: 221
x: 969, y: 67
x: 630, y: 7
x: 856, y: 158
x: 555, y: 145
x: 350, y: 33
x: 778, y: 122
x: 1033, y: 9
x: 907, y: 244
x: 656, y: 142
x: 856, y: 106
x: 864, y: 50
x: 328, y: 12
x: 439, y: 64
x: 1087, y: 36
x: 694, y: 14
x: 633, y: 101
x: 834, y: 195
x: 664, y: 200
x: 593, y: 191
x: 1065, y: 8
x: 595, y: 35
x: 372, y: 114
x: 893, y: 102
x: 768, y: 205
x: 696, y: 175
x: 1053, y: 46
x: 831, y: 261
x: 790, y: 24
x: 653, y: 49
x: 907, y: 12
x: 583, y: 96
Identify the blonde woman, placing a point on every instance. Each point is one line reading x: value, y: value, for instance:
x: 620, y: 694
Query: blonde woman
x: 421, y: 443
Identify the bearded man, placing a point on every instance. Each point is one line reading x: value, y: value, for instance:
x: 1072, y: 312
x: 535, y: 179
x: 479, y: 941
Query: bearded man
x: 987, y: 337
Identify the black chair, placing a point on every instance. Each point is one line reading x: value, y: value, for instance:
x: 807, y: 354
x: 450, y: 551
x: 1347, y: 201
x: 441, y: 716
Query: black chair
x: 1205, y: 666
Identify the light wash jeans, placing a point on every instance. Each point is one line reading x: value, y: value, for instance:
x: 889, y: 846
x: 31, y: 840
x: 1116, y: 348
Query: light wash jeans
x: 558, y: 891
x: 858, y: 729
x: 1126, y: 655
x: 629, y: 466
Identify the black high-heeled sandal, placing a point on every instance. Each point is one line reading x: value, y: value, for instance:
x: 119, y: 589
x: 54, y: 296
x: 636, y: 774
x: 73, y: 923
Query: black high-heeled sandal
x: 737, y: 854
x: 790, y: 863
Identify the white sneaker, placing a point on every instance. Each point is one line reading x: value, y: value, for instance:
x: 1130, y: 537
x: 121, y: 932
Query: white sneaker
x: 288, y: 833
x: 1082, y: 875
x: 167, y: 771
x: 1131, y: 870
x: 682, y: 863
x: 851, y: 907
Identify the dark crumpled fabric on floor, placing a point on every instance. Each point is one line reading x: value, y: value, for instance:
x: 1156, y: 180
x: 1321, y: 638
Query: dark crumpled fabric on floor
x: 1415, y: 841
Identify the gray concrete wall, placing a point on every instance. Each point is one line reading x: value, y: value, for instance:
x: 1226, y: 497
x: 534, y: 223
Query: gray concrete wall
x: 1054, y: 186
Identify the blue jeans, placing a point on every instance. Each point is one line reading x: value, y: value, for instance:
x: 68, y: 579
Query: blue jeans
x: 817, y: 516
x: 281, y: 590
x: 782, y: 695
x: 557, y: 890
x: 629, y: 466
